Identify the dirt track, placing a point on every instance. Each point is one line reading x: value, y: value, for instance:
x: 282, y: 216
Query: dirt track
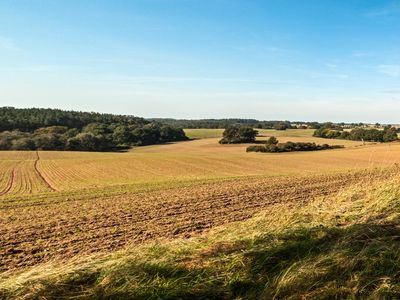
x: 35, y: 166
x: 44, y: 230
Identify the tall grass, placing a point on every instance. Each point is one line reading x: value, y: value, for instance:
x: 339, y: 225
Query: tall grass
x: 342, y: 246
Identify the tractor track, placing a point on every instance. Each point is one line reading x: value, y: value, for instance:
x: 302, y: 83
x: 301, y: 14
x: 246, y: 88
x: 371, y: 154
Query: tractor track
x: 35, y: 166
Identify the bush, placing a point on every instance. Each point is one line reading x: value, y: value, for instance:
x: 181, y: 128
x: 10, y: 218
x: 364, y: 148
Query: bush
x: 272, y: 141
x: 256, y: 149
x: 290, y: 147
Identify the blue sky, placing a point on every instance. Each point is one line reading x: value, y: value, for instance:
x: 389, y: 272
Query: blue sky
x: 320, y: 60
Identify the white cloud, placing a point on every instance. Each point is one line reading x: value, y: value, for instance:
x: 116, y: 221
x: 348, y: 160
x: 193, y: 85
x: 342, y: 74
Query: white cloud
x: 391, y: 70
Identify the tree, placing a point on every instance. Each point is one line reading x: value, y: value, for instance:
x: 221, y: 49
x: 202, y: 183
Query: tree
x: 281, y: 126
x: 238, y: 134
x: 23, y: 144
x: 121, y: 135
x: 168, y: 133
x: 52, y: 129
x: 5, y: 143
x: 96, y: 129
x: 49, y: 142
x: 84, y: 142
x: 389, y: 134
x: 272, y: 141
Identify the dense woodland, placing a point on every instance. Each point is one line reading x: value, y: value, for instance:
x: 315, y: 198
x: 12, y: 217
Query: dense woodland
x: 224, y: 123
x: 53, y: 129
x: 388, y: 134
x: 278, y: 125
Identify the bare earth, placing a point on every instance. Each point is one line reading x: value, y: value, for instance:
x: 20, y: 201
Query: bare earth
x: 55, y: 205
x: 38, y: 231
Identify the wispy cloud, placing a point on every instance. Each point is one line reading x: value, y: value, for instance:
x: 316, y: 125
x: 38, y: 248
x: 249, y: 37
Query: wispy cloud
x: 331, y: 66
x: 8, y: 44
x: 363, y: 54
x: 390, y: 70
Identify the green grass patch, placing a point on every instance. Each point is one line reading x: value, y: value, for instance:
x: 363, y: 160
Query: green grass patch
x: 286, y: 133
x: 203, y: 133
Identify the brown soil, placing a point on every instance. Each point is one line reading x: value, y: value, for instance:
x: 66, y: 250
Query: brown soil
x: 39, y: 231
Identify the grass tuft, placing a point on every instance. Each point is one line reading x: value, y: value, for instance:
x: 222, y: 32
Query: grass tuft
x: 341, y: 246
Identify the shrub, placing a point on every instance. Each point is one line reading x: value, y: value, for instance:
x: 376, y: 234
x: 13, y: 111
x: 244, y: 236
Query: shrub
x: 290, y: 146
x: 272, y: 141
x: 256, y: 148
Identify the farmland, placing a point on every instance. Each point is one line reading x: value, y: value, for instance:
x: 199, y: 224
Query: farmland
x: 67, y: 227
x: 179, y: 162
x: 58, y: 205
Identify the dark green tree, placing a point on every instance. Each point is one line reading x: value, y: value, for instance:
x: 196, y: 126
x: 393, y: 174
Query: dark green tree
x: 238, y: 134
x: 272, y: 141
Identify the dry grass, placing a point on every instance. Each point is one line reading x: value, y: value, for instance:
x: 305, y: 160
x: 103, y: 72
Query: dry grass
x: 343, y: 245
x: 314, y: 236
x: 37, y: 230
x: 203, y: 133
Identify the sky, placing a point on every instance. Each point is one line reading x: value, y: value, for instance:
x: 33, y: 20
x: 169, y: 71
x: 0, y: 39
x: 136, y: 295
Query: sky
x: 311, y: 60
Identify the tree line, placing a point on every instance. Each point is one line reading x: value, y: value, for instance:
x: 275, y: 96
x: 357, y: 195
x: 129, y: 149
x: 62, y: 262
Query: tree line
x: 224, y: 123
x: 53, y: 129
x: 329, y: 131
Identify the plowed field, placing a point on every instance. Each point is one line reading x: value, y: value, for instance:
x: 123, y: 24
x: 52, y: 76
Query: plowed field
x: 22, y: 175
x: 42, y: 230
x: 46, y: 171
x: 54, y: 205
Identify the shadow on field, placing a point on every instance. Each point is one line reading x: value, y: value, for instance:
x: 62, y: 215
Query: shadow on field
x: 318, y: 263
x: 322, y: 263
